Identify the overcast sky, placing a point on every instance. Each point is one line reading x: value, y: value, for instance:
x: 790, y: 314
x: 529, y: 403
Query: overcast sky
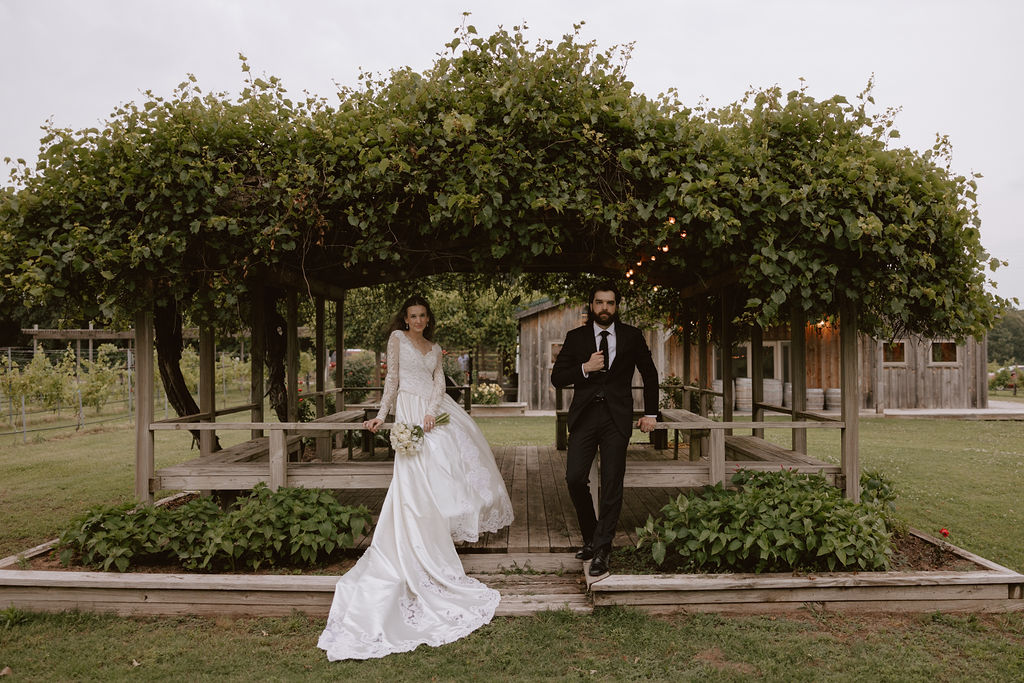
x: 953, y: 67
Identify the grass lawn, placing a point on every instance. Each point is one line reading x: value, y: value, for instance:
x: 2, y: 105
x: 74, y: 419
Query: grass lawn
x: 964, y: 476
x: 610, y: 645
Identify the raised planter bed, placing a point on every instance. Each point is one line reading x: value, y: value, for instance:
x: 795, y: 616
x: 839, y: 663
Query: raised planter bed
x: 988, y: 587
x: 538, y: 582
x: 498, y: 409
x: 532, y: 582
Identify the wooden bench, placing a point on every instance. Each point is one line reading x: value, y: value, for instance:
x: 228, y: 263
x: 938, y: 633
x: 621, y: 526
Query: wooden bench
x: 323, y: 443
x: 696, y: 425
x: 247, y: 451
x: 245, y: 475
x: 751, y: 450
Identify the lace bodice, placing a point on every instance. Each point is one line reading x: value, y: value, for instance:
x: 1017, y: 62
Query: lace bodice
x: 412, y: 371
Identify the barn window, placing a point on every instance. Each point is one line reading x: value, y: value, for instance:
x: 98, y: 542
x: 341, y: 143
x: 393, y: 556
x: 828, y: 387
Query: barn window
x: 894, y: 352
x: 944, y: 353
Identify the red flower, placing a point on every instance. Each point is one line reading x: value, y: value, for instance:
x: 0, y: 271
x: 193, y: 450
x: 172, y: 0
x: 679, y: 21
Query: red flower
x: 944, y: 532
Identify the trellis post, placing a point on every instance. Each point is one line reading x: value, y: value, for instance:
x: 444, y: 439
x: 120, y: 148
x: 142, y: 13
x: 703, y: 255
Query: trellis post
x: 144, y: 446
x: 850, y: 401
x: 798, y: 368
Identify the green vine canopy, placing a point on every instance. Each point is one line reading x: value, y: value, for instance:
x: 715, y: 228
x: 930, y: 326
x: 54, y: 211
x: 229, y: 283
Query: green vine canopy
x: 507, y: 155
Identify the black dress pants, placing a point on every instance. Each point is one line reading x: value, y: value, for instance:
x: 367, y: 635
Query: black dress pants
x: 594, y: 431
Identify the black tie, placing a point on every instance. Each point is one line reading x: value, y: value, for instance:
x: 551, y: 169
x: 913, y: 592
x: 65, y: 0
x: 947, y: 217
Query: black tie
x: 604, y: 348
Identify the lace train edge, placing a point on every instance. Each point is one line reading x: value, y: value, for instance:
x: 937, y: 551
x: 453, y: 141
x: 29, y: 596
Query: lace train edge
x: 347, y: 644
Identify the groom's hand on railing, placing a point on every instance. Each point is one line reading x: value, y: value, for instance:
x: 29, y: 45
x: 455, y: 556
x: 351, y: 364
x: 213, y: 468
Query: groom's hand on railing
x: 646, y: 424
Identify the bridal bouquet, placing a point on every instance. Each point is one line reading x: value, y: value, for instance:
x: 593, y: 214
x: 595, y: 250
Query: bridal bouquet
x: 406, y: 439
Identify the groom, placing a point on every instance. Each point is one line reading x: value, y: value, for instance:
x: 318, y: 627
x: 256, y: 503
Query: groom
x: 598, y: 359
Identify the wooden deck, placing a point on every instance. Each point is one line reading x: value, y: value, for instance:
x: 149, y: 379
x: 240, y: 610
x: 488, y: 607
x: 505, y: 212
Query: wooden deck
x: 545, y: 521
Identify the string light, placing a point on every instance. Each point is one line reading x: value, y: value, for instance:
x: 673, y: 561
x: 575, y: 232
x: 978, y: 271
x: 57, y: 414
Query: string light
x: 671, y: 220
x: 665, y: 248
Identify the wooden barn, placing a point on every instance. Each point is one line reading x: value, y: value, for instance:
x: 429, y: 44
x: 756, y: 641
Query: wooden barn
x: 911, y: 372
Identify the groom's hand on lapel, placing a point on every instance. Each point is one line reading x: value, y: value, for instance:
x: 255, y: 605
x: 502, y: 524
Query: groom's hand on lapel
x: 595, y: 364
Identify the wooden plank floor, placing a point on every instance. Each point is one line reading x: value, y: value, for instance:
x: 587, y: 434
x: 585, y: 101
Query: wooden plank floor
x: 545, y: 520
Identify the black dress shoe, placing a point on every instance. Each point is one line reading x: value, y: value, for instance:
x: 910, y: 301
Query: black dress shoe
x: 599, y: 566
x: 585, y: 553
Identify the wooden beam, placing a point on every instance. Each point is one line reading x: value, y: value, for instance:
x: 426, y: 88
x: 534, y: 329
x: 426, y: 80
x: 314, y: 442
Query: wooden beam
x: 699, y: 445
x: 144, y: 381
x: 850, y: 400
x: 258, y: 352
x: 728, y: 391
x: 757, y: 379
x: 339, y: 364
x: 323, y: 444
x: 295, y: 281
x: 292, y: 355
x: 880, y: 377
x: 798, y: 370
x: 707, y: 286
x: 278, y: 459
x: 207, y: 386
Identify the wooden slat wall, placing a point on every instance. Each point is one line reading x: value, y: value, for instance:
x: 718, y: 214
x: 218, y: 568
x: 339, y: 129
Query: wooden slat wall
x: 536, y: 335
x: 918, y: 384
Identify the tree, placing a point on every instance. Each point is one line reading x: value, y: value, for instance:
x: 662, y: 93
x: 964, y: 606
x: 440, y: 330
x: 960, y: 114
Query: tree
x: 1006, y: 340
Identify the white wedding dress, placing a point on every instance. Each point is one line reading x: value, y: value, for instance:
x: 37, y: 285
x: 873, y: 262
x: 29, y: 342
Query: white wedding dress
x: 409, y: 587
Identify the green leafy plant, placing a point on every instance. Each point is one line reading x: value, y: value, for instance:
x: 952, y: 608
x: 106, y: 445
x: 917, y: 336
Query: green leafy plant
x: 11, y: 617
x: 287, y: 528
x: 773, y: 522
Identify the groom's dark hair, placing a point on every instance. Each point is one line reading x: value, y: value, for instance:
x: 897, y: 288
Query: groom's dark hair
x: 606, y: 286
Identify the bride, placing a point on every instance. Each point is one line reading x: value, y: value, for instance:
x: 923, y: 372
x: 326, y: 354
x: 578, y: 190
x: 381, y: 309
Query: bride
x: 409, y: 587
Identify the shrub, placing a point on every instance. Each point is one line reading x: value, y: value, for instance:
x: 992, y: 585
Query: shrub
x: 774, y: 522
x: 288, y: 528
x: 358, y: 373
x: 671, y: 392
x: 100, y: 376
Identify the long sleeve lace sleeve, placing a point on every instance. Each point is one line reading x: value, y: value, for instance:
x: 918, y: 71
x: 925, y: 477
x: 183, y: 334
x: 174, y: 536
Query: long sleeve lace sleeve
x: 387, y: 399
x: 437, y: 394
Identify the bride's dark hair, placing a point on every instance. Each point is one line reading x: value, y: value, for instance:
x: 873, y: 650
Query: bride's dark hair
x: 398, y: 322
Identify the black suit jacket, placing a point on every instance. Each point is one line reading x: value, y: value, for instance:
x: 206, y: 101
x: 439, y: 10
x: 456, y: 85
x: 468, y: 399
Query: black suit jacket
x: 631, y: 352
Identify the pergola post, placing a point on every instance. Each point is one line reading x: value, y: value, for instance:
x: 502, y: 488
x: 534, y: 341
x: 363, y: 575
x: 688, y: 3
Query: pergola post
x: 323, y: 443
x: 880, y: 377
x: 292, y: 355
x: 699, y: 444
x: 757, y: 379
x: 703, y: 379
x: 798, y: 368
x: 207, y: 387
x: 257, y: 360
x: 144, y: 447
x: 728, y: 392
x: 339, y: 354
x: 850, y: 401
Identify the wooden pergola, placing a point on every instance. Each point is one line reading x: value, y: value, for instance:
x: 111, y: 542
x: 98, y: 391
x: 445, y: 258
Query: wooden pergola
x: 265, y: 456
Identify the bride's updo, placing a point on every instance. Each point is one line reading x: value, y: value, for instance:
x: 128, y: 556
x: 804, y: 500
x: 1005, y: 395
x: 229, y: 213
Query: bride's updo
x: 398, y: 322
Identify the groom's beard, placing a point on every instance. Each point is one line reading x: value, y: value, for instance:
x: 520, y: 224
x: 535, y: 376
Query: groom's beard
x: 604, y: 318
